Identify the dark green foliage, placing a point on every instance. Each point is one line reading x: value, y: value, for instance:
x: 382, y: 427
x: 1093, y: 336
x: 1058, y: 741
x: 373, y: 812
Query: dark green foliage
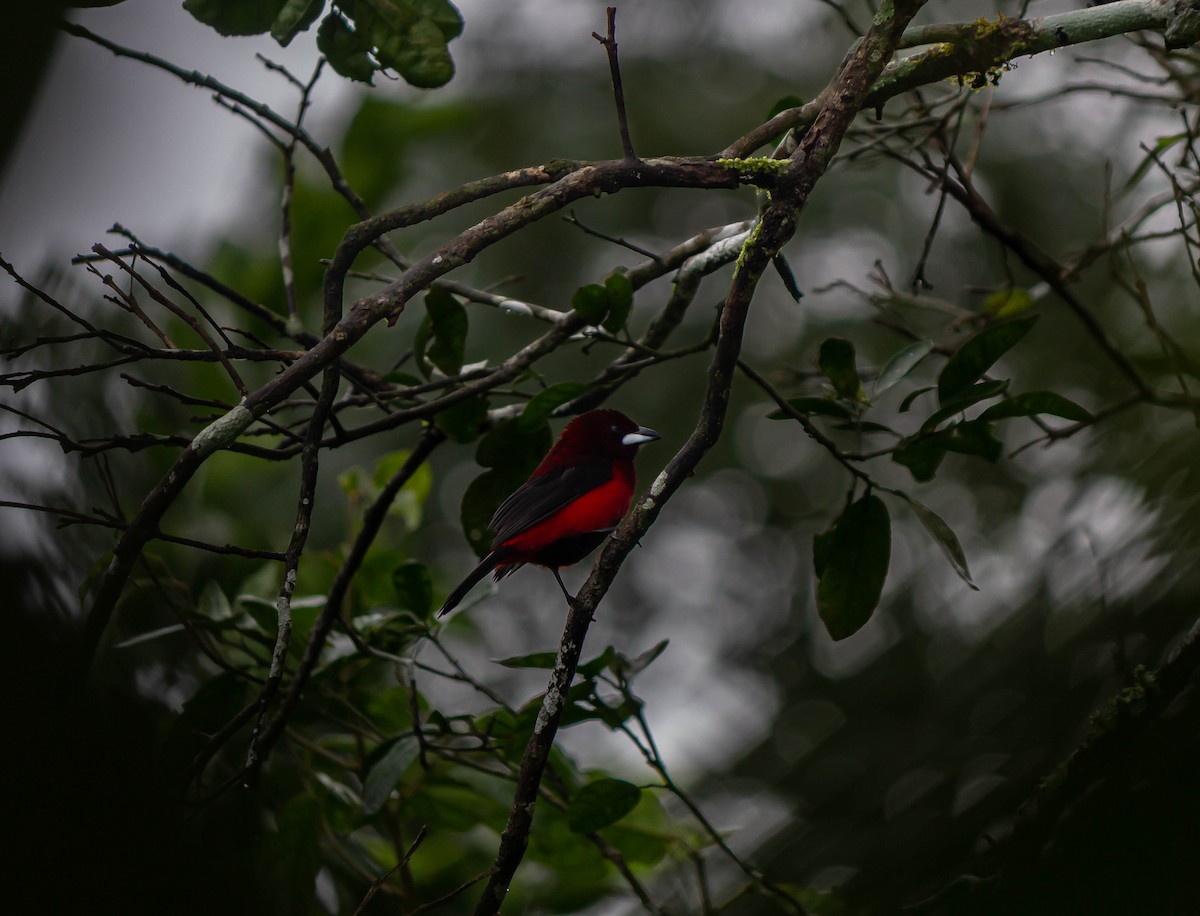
x: 962, y: 400
x: 510, y: 451
x: 923, y: 453
x: 541, y: 405
x: 820, y: 407
x: 607, y: 305
x: 620, y: 301
x: 447, y: 334
x: 901, y: 364
x: 784, y: 269
x: 600, y: 803
x: 590, y: 303
x: 837, y: 362
x: 944, y: 536
x: 387, y: 766
x: 414, y: 589
x: 1035, y: 403
x: 347, y: 51
x: 237, y: 17
x: 295, y: 17
x: 851, y: 560
x: 463, y: 421
x: 978, y: 354
x: 358, y: 37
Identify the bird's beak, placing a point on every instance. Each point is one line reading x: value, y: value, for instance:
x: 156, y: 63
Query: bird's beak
x: 641, y: 435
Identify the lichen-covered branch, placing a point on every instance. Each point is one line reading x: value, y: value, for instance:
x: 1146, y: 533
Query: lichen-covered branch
x: 970, y: 50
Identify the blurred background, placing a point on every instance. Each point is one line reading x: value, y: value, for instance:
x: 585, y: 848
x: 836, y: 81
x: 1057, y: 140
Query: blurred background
x: 879, y: 766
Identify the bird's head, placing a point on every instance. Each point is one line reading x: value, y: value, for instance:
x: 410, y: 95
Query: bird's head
x: 603, y: 433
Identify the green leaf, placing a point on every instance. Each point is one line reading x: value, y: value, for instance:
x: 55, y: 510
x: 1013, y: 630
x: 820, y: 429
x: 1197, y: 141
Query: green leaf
x: 345, y: 49
x: 822, y: 544
x: 396, y: 15
x: 1034, y: 403
x: 1161, y: 145
x: 921, y: 455
x: 641, y: 847
x: 461, y: 421
x: 387, y: 770
x: 214, y: 703
x: 632, y: 667
x: 294, y: 18
x: 402, y: 378
x: 854, y: 566
x: 236, y: 17
x: 483, y: 495
x: 784, y: 269
x: 442, y: 14
x: 408, y: 36
x: 420, y: 345
x: 976, y: 437
x: 544, y: 660
x: 213, y: 603
x: 912, y: 396
x: 865, y: 426
x: 978, y: 354
x: 836, y: 360
x: 900, y: 365
x: 419, y: 54
x: 515, y: 446
x: 453, y: 808
x: 821, y: 407
x: 410, y: 501
x: 620, y: 301
x: 601, y: 803
x: 542, y: 404
x: 1005, y: 303
x: 590, y: 303
x: 944, y: 536
x: 591, y: 668
x: 414, y: 588
x: 963, y: 400
x: 448, y: 330
x: 783, y: 104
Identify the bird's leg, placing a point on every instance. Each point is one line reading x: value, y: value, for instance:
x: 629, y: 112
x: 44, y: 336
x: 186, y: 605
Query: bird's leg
x: 566, y: 594
x: 562, y: 585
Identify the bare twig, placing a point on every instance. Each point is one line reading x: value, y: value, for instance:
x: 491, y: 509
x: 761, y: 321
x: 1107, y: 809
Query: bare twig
x: 401, y: 863
x: 610, y: 45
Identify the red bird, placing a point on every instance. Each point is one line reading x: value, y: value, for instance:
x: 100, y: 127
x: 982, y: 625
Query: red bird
x: 569, y: 505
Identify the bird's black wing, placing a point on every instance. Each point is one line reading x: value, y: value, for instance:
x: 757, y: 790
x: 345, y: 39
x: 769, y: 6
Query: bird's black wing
x: 540, y: 497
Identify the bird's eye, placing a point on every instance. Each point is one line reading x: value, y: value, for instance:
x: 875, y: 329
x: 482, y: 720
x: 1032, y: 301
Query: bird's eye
x: 615, y: 430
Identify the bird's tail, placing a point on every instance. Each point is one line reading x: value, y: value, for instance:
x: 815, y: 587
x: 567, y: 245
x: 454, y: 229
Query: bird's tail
x: 486, y: 565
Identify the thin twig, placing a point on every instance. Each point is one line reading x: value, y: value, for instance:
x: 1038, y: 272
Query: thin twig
x: 305, y: 502
x: 403, y: 861
x: 610, y: 46
x: 575, y: 221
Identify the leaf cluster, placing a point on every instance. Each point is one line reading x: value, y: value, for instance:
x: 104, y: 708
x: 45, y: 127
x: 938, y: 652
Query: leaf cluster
x: 359, y: 38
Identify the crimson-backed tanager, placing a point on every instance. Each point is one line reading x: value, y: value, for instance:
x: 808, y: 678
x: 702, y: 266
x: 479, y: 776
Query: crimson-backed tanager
x: 569, y: 505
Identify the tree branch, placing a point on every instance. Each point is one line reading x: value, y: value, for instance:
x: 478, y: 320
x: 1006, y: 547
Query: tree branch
x: 970, y: 48
x: 778, y: 223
